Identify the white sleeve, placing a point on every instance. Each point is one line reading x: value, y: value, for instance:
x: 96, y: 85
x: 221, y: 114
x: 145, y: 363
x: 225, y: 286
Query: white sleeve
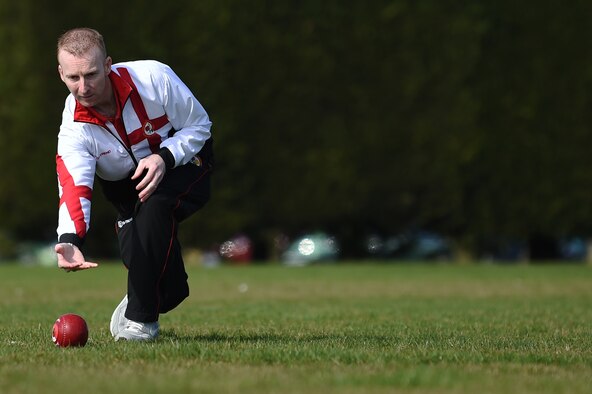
x: 186, y: 115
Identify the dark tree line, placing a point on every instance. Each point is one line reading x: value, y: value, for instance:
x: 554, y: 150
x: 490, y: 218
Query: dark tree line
x: 468, y: 118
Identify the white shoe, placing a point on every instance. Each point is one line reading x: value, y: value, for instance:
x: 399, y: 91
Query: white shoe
x: 118, y: 319
x: 136, y: 331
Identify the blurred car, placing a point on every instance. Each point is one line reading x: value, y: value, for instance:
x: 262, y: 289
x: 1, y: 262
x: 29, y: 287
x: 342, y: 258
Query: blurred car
x: 310, y: 248
x: 34, y: 253
x: 238, y: 249
x: 410, y: 245
x: 573, y: 249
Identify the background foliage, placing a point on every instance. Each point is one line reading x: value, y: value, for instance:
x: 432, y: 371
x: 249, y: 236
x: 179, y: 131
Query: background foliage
x: 470, y: 118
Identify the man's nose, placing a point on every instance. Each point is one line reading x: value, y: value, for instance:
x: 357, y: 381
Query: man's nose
x: 82, y: 85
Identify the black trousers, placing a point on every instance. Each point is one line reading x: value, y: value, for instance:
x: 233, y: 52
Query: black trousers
x: 147, y: 233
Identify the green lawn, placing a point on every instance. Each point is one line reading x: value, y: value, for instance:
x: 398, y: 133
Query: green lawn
x: 347, y: 328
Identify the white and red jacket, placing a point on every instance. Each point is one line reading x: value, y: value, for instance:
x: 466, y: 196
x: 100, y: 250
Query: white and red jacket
x: 155, y: 110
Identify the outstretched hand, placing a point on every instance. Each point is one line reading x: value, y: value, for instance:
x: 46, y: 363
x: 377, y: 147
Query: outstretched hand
x: 70, y: 258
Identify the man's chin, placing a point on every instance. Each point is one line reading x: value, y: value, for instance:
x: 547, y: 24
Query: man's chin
x: 86, y: 102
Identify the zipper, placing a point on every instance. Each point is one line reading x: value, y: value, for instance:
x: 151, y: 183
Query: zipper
x: 128, y: 150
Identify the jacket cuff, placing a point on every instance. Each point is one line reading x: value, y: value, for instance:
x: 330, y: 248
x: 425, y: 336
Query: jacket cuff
x: 71, y: 239
x: 167, y: 156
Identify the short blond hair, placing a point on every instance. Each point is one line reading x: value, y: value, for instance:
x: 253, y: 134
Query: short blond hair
x: 80, y: 40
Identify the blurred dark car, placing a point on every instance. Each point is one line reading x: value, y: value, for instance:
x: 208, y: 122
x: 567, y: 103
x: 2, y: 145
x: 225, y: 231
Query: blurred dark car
x: 411, y: 245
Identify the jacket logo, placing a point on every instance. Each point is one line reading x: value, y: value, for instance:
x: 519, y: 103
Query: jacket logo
x: 103, y: 154
x: 148, y: 130
x: 196, y: 160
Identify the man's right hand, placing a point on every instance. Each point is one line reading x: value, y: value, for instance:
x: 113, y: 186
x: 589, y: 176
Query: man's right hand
x: 70, y: 258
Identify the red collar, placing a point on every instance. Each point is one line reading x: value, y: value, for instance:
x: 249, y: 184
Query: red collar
x: 122, y: 91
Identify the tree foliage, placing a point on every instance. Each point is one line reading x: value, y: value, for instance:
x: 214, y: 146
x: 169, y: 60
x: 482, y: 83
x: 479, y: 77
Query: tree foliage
x: 469, y: 118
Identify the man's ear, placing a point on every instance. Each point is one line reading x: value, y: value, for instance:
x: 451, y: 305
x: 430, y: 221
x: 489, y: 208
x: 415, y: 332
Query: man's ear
x: 61, y: 72
x: 108, y: 63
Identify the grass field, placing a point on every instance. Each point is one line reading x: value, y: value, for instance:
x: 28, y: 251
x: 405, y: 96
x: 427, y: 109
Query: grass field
x: 348, y: 328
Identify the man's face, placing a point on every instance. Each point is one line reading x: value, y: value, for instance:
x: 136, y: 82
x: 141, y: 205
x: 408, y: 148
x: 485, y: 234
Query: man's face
x: 86, y: 76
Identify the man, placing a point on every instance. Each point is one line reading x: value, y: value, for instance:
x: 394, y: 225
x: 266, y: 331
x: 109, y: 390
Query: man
x: 139, y: 129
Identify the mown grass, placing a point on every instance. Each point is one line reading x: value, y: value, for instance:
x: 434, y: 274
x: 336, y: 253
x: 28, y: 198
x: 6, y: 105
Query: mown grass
x: 347, y: 328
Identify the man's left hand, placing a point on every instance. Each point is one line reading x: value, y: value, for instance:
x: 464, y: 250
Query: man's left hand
x: 153, y: 168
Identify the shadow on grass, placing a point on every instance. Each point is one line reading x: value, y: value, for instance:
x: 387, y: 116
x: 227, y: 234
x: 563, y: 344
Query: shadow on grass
x: 215, y: 337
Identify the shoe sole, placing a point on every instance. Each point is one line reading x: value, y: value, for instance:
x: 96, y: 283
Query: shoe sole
x: 132, y: 337
x: 135, y: 339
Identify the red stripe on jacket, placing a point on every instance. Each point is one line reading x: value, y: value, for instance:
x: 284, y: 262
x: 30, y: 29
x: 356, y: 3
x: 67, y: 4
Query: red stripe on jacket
x: 148, y: 126
x: 71, y: 195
